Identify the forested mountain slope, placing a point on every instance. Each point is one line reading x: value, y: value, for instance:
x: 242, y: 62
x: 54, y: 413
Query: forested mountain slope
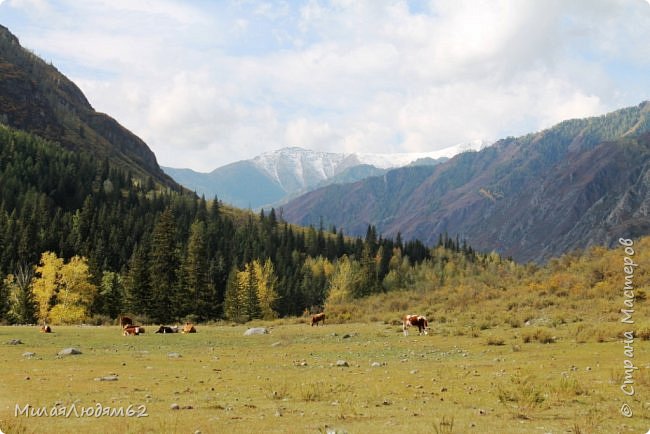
x: 583, y: 182
x: 36, y: 97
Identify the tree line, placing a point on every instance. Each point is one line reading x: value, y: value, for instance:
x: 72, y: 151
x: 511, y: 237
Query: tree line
x: 82, y: 239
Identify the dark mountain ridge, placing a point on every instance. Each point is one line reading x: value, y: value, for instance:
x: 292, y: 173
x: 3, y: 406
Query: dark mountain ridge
x: 36, y: 97
x: 580, y: 183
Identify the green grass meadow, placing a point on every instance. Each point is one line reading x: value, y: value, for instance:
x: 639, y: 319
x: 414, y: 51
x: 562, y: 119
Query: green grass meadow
x: 499, y: 380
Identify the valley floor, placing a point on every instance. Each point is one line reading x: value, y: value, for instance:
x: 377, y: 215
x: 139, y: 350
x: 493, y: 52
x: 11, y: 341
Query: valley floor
x: 495, y: 380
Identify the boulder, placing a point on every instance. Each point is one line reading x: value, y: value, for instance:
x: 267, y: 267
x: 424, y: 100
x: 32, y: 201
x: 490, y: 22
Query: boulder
x: 107, y: 378
x: 256, y: 331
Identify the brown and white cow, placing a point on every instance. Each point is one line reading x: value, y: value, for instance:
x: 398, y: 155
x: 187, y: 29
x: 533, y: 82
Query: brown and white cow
x: 125, y: 320
x: 318, y: 318
x: 132, y: 330
x: 46, y: 329
x: 416, y: 321
x: 189, y: 328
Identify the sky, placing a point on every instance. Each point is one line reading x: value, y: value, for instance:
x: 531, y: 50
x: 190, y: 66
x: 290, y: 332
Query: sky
x: 205, y: 83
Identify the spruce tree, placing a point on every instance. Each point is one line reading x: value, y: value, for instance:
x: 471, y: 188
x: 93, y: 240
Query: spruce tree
x: 163, y: 267
x: 248, y: 280
x: 233, y: 306
x: 196, y: 268
x: 137, y: 285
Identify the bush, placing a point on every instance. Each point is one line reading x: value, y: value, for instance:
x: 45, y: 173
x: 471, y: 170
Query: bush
x: 539, y: 334
x: 493, y: 340
x: 521, y: 397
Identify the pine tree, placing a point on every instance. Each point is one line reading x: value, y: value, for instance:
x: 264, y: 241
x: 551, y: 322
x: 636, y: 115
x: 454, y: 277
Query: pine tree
x: 163, y: 267
x: 136, y: 284
x: 218, y: 276
x: 111, y: 294
x: 4, y: 298
x: 196, y: 267
x: 248, y: 284
x: 233, y: 305
x: 22, y: 308
x: 368, y: 281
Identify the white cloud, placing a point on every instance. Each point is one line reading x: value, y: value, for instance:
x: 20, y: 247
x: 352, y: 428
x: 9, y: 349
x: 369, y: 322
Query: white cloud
x: 208, y: 83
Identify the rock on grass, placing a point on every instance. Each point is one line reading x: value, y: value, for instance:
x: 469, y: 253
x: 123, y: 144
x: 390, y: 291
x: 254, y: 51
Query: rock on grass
x: 69, y: 352
x: 256, y: 331
x: 107, y: 378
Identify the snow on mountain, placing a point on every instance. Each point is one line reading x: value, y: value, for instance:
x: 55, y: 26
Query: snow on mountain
x: 292, y: 167
x: 274, y: 177
x: 297, y: 168
x: 390, y: 161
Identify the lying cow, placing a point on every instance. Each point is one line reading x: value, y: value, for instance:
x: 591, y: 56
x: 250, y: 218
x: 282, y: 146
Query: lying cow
x: 167, y: 329
x: 318, y: 318
x: 416, y: 321
x: 189, y: 328
x: 46, y: 329
x: 132, y: 330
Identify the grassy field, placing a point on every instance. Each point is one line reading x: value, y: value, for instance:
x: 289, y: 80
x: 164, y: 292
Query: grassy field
x: 501, y: 380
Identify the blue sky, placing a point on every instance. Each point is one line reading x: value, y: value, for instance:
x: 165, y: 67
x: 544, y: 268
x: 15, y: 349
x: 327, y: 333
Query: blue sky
x: 206, y: 83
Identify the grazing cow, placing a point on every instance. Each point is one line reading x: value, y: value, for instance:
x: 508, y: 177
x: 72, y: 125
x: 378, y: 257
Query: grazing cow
x: 165, y: 329
x: 46, y: 329
x: 125, y: 320
x: 131, y: 330
x: 417, y: 321
x: 189, y: 328
x: 318, y: 318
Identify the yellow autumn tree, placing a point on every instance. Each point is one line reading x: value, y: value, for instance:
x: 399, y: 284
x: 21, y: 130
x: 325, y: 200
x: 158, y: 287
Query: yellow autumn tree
x: 63, y: 292
x: 46, y: 283
x: 76, y: 293
x: 343, y: 281
x: 267, y: 283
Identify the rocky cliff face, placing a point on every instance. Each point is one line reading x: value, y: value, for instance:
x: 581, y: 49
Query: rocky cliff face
x: 580, y: 183
x: 36, y: 97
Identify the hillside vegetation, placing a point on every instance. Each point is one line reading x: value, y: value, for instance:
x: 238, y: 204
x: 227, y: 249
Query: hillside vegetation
x: 156, y: 253
x: 581, y: 293
x: 165, y: 256
x: 580, y: 183
x: 35, y: 97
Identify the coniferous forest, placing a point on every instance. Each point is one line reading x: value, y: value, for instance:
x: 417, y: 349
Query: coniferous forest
x: 81, y: 240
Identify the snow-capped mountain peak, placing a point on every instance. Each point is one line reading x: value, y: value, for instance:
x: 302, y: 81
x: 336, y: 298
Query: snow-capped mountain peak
x: 273, y: 177
x: 301, y: 168
x: 296, y: 168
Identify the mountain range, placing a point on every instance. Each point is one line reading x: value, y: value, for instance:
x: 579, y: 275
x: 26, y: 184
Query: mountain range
x: 582, y: 182
x: 274, y: 177
x: 35, y: 97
